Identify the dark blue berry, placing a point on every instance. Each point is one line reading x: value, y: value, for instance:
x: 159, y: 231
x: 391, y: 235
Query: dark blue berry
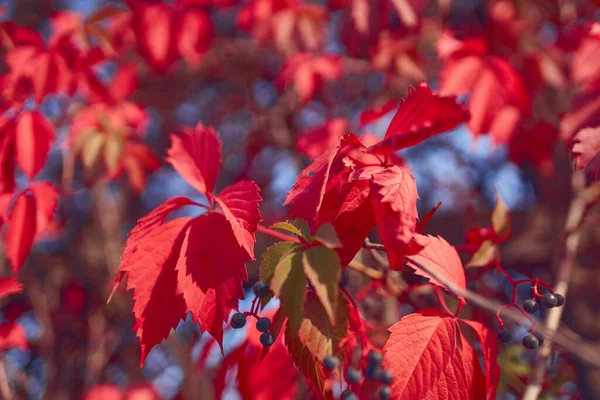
x: 530, y: 341
x: 560, y: 300
x: 386, y: 377
x: 263, y: 324
x: 540, y: 337
x: 344, y: 279
x: 238, y: 320
x: 373, y: 372
x: 267, y: 339
x: 349, y: 395
x: 375, y: 358
x: 549, y: 300
x: 331, y: 363
x: 260, y: 289
x: 353, y: 375
x: 385, y: 392
x: 531, y: 306
x: 506, y: 335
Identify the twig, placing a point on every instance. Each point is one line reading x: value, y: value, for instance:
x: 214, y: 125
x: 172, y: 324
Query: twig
x: 577, y: 211
x: 362, y: 268
x: 4, y: 385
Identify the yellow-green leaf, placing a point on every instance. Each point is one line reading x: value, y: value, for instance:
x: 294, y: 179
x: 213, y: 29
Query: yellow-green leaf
x: 317, y: 338
x: 487, y: 252
x: 270, y: 258
x: 298, y: 227
x: 501, y: 221
x: 90, y: 150
x: 322, y: 268
x: 326, y: 234
x: 289, y: 284
x: 115, y: 145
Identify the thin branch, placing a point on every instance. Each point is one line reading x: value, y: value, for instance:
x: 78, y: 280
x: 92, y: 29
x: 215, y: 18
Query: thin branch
x: 577, y: 212
x: 362, y: 268
x: 4, y: 385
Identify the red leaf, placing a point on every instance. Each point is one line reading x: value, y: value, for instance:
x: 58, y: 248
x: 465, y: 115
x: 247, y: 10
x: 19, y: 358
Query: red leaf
x: 155, y: 29
x: 21, y: 230
x: 394, y: 199
x: 584, y: 113
x: 459, y: 74
x: 10, y: 285
x: 309, y: 189
x: 210, y: 271
x: 141, y: 391
x: 144, y: 227
x: 586, y: 144
x: 139, y: 160
x: 195, y: 35
x: 34, y: 133
x: 308, y: 71
x: 421, y: 354
x: 474, y: 381
x: 421, y: 115
x: 255, y: 376
x: 7, y: 156
x: 489, y: 347
x: 534, y: 143
x: 196, y: 156
x: 240, y: 206
x: 104, y: 392
x: 373, y: 114
x: 585, y: 66
x: 46, y: 199
x: 321, y: 139
x: 124, y: 82
x: 150, y: 266
x: 499, y: 86
x: 12, y: 335
x: 441, y: 257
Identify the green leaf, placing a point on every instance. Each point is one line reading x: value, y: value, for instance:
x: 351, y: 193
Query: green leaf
x: 322, y: 268
x: 115, y: 145
x: 270, y: 259
x: 289, y: 284
x: 298, y: 227
x: 91, y: 149
x: 317, y: 338
x: 326, y: 234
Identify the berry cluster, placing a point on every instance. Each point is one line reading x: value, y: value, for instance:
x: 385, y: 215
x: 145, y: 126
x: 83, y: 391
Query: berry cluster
x: 533, y: 340
x: 263, y: 324
x: 372, y: 371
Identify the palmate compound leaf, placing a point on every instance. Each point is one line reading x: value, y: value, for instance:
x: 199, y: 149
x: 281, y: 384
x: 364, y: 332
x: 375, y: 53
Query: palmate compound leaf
x: 317, y: 338
x: 423, y: 355
x: 183, y: 265
x: 441, y: 257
